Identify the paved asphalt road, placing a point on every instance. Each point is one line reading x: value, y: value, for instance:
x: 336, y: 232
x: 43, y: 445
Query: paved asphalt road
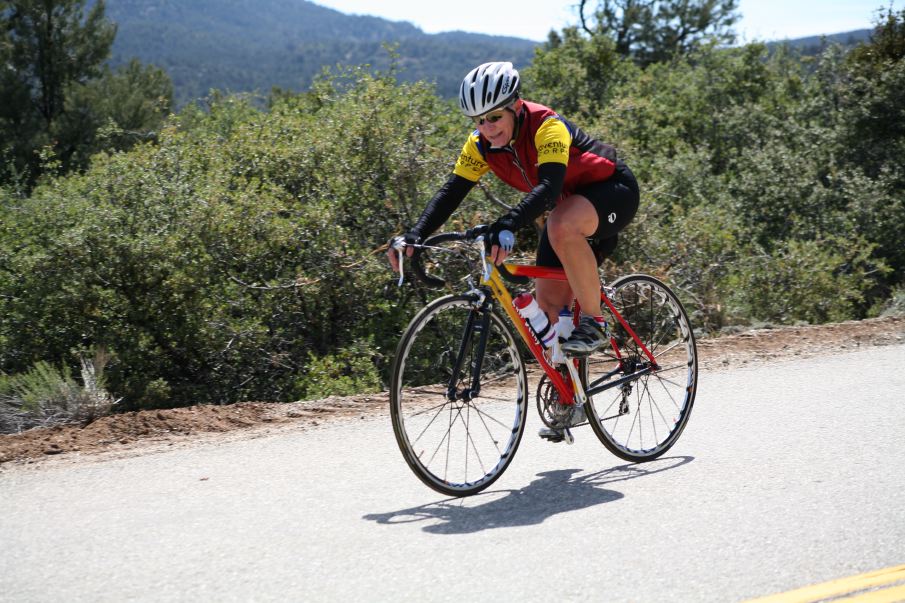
x: 786, y: 476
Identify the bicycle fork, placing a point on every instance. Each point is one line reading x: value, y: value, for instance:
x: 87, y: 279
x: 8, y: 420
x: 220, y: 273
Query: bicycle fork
x: 478, y: 323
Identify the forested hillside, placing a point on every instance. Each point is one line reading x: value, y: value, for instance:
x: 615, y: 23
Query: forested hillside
x: 244, y: 45
x: 237, y: 254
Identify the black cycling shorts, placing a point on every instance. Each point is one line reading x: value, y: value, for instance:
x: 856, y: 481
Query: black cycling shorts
x: 616, y: 201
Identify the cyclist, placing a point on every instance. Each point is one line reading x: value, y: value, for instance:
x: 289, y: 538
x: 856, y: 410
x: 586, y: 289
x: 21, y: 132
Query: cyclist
x: 591, y: 193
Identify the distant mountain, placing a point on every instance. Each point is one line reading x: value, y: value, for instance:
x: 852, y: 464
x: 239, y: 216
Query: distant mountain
x: 254, y: 45
x: 248, y: 45
x: 812, y: 45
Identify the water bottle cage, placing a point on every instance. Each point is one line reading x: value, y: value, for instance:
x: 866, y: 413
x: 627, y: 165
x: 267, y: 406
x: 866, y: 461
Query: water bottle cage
x: 543, y: 333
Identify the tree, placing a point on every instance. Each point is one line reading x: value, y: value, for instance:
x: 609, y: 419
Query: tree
x: 52, y: 55
x: 114, y: 111
x: 872, y: 131
x: 887, y: 43
x: 657, y: 30
x: 48, y: 45
x: 575, y: 73
x: 52, y: 46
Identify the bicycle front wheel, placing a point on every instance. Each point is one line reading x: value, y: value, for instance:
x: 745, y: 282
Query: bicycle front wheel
x: 458, y: 396
x: 643, y: 417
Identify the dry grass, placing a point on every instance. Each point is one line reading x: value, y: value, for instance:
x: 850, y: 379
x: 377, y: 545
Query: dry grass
x: 48, y: 395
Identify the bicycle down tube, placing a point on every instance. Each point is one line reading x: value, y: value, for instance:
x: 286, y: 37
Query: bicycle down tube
x: 501, y: 293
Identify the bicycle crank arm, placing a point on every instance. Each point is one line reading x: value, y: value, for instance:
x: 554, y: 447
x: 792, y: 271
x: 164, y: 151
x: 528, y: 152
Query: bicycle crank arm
x: 568, y: 438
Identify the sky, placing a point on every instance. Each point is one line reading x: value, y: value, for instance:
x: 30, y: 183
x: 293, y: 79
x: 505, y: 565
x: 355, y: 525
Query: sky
x: 763, y: 20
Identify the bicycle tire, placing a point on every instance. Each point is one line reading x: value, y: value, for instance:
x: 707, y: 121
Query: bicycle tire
x: 475, y: 439
x: 644, y: 420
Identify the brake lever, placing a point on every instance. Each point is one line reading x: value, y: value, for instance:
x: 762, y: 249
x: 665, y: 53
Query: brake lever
x: 485, y: 265
x: 399, y: 246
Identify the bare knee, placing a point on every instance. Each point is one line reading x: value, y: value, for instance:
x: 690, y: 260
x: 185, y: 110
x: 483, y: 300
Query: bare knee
x: 561, y: 230
x: 571, y: 224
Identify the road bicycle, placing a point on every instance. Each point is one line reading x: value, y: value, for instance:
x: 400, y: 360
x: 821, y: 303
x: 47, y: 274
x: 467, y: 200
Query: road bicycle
x: 459, y: 388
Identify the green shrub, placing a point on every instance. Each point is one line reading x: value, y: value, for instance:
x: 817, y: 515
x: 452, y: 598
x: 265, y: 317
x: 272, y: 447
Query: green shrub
x: 350, y: 370
x: 894, y: 305
x: 219, y: 261
x: 811, y: 281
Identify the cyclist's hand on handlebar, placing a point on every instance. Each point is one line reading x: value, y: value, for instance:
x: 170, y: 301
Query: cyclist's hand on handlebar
x: 502, y: 239
x: 407, y: 240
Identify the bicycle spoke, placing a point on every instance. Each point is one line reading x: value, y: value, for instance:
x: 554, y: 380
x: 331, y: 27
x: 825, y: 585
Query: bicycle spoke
x: 672, y: 367
x: 659, y: 376
x: 495, y: 380
x: 628, y: 438
x: 653, y: 424
x: 657, y: 345
x: 491, y: 417
x: 426, y: 392
x: 439, y: 410
x: 440, y: 445
x: 427, y: 410
x: 660, y: 412
x: 496, y: 399
x: 474, y: 447
x: 672, y: 399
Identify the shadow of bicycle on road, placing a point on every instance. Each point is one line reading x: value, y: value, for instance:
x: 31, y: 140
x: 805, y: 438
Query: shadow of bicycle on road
x: 552, y: 493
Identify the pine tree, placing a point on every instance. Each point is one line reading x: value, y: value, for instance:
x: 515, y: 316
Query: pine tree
x: 657, y: 30
x: 52, y: 61
x: 54, y: 44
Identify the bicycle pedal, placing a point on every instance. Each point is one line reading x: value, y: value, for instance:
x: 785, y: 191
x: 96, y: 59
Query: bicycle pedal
x: 552, y: 435
x: 556, y: 436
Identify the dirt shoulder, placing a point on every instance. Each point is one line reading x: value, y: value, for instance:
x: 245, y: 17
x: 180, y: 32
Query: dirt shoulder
x: 139, y: 432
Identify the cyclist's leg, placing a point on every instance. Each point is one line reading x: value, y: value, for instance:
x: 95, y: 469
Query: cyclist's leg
x: 552, y: 295
x: 615, y: 203
x: 568, y: 228
x: 606, y: 207
x: 596, y: 212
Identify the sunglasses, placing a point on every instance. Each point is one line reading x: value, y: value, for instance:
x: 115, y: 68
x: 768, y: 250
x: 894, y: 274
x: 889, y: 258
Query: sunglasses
x: 491, y: 118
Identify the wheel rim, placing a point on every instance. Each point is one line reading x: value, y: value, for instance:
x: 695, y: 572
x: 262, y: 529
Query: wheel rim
x: 642, y: 419
x: 458, y: 446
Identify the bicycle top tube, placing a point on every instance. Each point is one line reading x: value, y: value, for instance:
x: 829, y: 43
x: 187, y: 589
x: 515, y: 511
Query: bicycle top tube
x: 532, y: 271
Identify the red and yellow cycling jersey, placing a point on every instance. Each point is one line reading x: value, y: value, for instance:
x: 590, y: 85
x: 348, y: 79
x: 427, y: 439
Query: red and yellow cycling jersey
x: 542, y: 137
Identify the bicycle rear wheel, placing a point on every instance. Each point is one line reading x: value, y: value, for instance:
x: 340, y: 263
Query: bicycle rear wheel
x: 457, y: 433
x: 642, y: 418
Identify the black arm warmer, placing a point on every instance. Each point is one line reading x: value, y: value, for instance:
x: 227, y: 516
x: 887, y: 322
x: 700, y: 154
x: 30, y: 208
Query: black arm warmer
x: 543, y: 196
x: 444, y: 203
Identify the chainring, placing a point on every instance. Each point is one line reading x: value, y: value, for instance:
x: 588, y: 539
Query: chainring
x: 552, y: 413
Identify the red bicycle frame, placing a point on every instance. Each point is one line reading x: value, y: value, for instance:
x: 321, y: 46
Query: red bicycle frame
x: 558, y: 274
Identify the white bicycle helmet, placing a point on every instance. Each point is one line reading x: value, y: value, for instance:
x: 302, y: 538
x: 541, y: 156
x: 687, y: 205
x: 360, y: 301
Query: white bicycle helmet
x: 488, y: 87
